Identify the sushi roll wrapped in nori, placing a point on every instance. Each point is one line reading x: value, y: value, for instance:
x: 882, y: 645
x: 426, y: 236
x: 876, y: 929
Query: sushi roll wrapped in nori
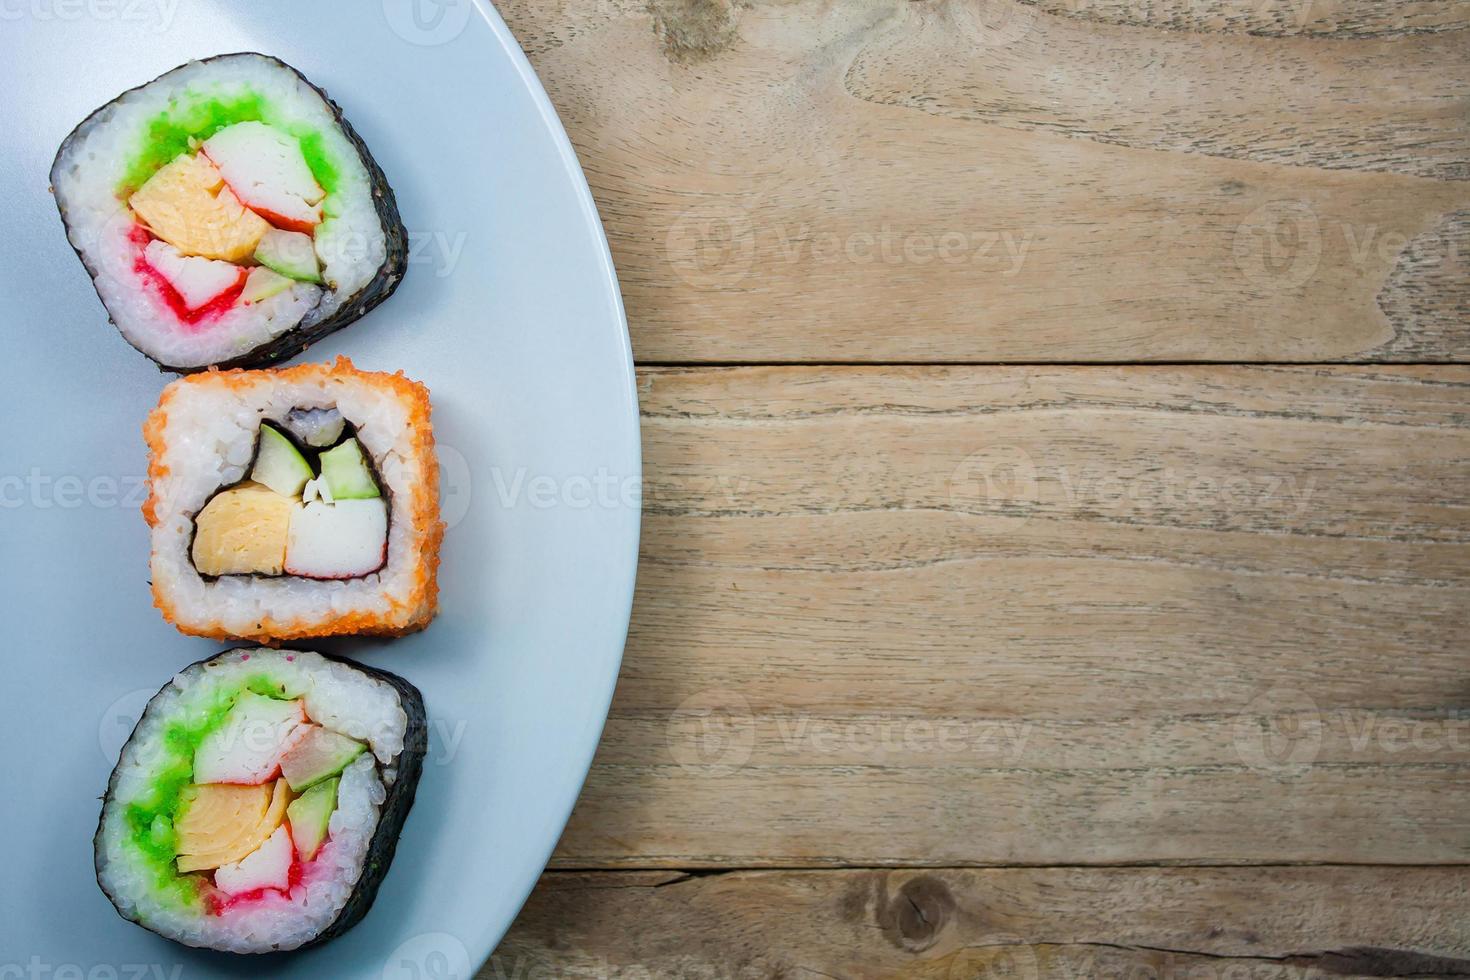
x: 228, y: 214
x: 257, y: 804
x: 293, y: 502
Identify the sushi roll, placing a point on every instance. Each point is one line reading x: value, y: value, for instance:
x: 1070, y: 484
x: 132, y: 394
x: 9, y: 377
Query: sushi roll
x: 257, y: 804
x: 228, y: 214
x: 293, y: 502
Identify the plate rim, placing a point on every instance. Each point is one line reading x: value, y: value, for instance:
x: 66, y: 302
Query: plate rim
x: 490, y: 937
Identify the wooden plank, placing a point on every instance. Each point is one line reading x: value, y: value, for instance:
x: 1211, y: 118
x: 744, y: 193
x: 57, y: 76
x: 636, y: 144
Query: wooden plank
x: 1047, y: 181
x: 1283, y: 18
x: 1024, y: 924
x: 993, y: 616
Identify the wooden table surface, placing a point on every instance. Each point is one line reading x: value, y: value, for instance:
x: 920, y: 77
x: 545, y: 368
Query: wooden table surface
x: 1057, y: 540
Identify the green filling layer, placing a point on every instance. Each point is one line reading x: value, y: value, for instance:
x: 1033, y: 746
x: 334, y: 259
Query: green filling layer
x: 314, y: 149
x: 193, y: 118
x: 151, y: 817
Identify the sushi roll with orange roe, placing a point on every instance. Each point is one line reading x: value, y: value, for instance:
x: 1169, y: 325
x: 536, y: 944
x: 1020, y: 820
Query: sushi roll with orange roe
x: 294, y: 502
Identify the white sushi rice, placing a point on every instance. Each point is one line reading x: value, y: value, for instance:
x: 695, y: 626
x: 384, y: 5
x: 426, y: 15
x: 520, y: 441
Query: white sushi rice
x: 352, y: 245
x: 211, y: 437
x: 337, y: 697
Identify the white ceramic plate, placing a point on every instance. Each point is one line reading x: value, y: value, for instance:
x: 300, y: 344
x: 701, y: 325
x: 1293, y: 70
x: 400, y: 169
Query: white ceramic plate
x: 510, y: 313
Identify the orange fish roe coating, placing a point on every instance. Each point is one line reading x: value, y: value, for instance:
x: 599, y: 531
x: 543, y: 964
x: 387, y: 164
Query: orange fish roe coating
x: 411, y: 598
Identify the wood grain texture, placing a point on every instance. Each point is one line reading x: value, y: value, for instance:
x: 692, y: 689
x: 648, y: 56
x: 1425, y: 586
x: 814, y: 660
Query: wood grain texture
x: 955, y: 620
x: 1023, y: 924
x: 1318, y: 18
x: 1024, y: 180
x: 987, y: 616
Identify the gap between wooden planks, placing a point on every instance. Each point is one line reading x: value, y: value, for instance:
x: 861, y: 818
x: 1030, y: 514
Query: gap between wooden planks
x: 1039, y: 181
x: 1019, y: 924
x: 999, y: 616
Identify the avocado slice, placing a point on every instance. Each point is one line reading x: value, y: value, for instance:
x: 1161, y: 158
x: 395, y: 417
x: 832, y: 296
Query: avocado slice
x: 321, y: 754
x: 279, y: 464
x: 347, y: 473
x: 309, y: 815
x: 291, y: 253
x: 261, y: 284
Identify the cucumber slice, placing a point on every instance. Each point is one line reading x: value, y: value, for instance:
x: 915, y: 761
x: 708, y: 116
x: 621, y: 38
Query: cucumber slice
x: 310, y: 813
x: 347, y: 473
x: 279, y: 464
x: 320, y: 754
x: 291, y: 253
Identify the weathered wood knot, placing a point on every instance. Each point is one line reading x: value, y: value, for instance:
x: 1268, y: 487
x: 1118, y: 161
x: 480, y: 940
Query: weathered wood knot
x: 914, y: 919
